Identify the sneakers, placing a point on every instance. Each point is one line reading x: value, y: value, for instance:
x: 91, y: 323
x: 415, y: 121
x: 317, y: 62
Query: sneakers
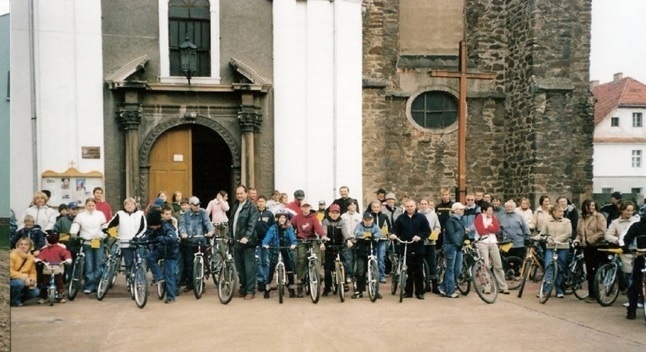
x: 454, y: 295
x: 346, y: 288
x: 441, y: 291
x: 639, y: 305
x: 590, y: 300
x: 357, y: 295
x: 41, y: 301
x: 248, y: 297
x: 559, y: 295
x: 62, y: 300
x: 505, y: 292
x: 170, y: 301
x: 87, y: 292
x: 383, y: 281
x: 420, y: 296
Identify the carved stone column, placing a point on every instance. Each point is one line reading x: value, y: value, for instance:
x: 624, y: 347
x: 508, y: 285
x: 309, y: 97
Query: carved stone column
x: 129, y: 119
x: 250, y: 120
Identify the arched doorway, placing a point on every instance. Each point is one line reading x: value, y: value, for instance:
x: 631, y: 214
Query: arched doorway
x: 192, y: 159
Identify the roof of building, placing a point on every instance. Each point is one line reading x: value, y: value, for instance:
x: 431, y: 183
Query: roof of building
x: 623, y: 92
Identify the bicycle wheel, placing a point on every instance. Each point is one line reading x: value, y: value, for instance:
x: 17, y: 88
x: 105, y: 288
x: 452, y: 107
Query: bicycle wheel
x: 314, y: 281
x: 115, y: 270
x: 484, y: 283
x: 537, y: 273
x: 580, y: 281
x: 524, y: 275
x: 51, y: 294
x: 607, y: 284
x: 395, y: 279
x: 280, y: 276
x: 215, y: 264
x: 104, y: 282
x: 373, y: 280
x: 227, y: 282
x: 464, y: 279
x: 644, y: 292
x: 511, y: 267
x: 77, y: 277
x: 440, y: 265
x: 161, y: 287
x: 340, y: 278
x: 547, y: 284
x: 402, y: 284
x: 141, y: 286
x: 198, y: 276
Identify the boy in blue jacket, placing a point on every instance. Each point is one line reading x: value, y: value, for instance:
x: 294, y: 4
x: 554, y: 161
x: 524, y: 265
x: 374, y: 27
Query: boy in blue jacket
x: 365, y: 231
x: 167, y: 248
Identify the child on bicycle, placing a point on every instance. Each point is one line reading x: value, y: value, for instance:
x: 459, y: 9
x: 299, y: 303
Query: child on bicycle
x: 167, y: 248
x: 366, y: 231
x: 333, y: 227
x: 53, y: 254
x: 307, y: 226
x: 280, y: 234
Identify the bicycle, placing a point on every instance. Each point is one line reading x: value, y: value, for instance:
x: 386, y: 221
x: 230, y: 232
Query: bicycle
x: 137, y: 281
x: 78, y: 268
x: 440, y: 264
x: 280, y: 273
x: 226, y: 271
x: 511, y: 265
x: 338, y: 274
x: 530, y: 264
x: 548, y: 283
x: 110, y: 272
x: 312, y: 275
x: 52, y: 291
x: 199, y: 272
x: 609, y: 278
x: 372, y: 280
x: 478, y: 273
x: 402, y: 272
x: 575, y: 278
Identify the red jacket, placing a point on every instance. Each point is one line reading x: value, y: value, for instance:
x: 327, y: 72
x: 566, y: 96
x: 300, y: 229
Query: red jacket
x: 294, y: 206
x: 493, y: 228
x: 307, y: 226
x: 54, y: 253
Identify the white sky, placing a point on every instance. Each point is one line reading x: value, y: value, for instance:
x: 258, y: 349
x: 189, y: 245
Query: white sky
x: 618, y: 40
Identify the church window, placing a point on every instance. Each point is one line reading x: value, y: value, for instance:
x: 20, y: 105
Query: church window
x: 434, y: 110
x: 189, y: 19
x: 614, y: 122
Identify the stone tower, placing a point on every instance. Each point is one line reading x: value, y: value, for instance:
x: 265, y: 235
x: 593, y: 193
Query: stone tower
x: 529, y: 130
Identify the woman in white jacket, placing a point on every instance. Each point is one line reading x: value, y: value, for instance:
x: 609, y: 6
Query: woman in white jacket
x: 88, y: 226
x: 44, y: 216
x: 129, y: 222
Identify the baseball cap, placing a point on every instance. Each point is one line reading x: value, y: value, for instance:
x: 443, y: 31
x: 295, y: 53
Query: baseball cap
x: 368, y: 215
x: 304, y: 202
x: 194, y: 201
x: 158, y: 203
x: 457, y: 205
x: 616, y: 195
x: 321, y: 202
x: 381, y: 191
x: 72, y: 205
x: 299, y: 194
x: 391, y: 195
x: 335, y: 207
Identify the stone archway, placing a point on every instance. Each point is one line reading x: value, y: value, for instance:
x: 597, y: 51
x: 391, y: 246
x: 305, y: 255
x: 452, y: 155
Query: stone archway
x: 149, y: 140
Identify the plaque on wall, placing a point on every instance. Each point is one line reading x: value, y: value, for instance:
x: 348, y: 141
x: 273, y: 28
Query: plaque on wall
x: 70, y: 186
x: 91, y: 152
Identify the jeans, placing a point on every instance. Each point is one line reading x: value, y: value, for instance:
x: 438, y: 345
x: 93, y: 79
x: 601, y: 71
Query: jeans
x: 168, y: 275
x: 263, y: 264
x: 562, y: 255
x: 453, y: 256
x: 245, y: 259
x: 127, y: 254
x: 381, y: 257
x: 347, y: 257
x: 93, y: 266
x: 20, y: 291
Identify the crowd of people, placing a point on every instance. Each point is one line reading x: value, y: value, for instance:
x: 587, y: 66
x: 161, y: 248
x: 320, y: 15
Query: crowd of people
x: 260, y: 227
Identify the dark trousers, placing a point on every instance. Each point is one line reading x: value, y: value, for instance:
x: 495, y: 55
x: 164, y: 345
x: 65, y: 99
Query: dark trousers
x: 635, y: 286
x: 330, y: 257
x: 415, y: 274
x: 592, y: 259
x: 188, y: 254
x: 430, y: 260
x: 289, y: 269
x: 361, y: 264
x: 245, y: 259
x: 44, y: 282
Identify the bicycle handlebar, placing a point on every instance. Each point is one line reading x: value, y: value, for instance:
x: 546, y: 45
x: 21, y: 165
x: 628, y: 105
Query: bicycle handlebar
x: 279, y: 247
x: 404, y: 242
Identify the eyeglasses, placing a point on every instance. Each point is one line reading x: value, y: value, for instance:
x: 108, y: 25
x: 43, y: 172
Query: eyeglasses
x: 470, y: 200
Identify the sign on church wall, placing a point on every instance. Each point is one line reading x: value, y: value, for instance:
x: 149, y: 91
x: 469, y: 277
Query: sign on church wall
x: 70, y: 186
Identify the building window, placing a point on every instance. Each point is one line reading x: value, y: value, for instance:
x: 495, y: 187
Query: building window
x: 434, y: 110
x: 637, y: 158
x: 637, y: 119
x: 607, y: 190
x: 189, y: 19
x: 636, y: 190
x: 614, y: 122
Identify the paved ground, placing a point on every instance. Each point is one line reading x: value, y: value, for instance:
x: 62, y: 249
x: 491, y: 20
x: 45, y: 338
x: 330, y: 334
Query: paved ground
x: 466, y: 323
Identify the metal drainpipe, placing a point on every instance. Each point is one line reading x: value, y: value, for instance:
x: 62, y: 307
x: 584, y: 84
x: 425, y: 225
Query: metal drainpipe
x: 32, y: 83
x: 334, y: 101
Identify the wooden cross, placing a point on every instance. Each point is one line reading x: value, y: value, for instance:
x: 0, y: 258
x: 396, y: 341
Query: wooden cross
x: 72, y: 164
x: 462, y: 75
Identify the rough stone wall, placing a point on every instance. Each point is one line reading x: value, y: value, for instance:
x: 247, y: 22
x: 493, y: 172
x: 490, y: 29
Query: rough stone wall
x: 529, y: 130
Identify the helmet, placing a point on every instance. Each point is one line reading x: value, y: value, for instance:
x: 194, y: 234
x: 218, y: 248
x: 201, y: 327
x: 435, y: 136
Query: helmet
x: 282, y: 212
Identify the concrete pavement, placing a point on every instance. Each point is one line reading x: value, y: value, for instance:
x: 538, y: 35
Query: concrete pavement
x: 436, y: 324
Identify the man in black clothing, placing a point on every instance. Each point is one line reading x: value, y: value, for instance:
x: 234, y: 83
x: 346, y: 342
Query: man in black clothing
x: 636, y: 232
x: 342, y: 202
x: 443, y: 210
x: 413, y: 226
x: 611, y: 211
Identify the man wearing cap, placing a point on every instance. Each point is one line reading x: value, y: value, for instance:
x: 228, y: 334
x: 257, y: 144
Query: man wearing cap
x: 454, y: 236
x: 413, y: 226
x: 294, y: 207
x: 242, y: 224
x: 307, y: 226
x: 611, y: 211
x: 194, y: 227
x: 342, y: 202
x: 390, y: 209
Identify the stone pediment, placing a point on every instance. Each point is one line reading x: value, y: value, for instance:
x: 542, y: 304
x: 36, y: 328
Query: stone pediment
x: 124, y: 75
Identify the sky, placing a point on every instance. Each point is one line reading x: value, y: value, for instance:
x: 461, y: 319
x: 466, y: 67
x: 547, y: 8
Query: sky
x: 618, y: 43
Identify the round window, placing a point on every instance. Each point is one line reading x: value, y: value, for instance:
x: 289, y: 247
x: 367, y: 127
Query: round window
x: 434, y: 110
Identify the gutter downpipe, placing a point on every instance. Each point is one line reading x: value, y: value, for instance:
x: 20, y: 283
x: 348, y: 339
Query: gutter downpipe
x: 32, y: 88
